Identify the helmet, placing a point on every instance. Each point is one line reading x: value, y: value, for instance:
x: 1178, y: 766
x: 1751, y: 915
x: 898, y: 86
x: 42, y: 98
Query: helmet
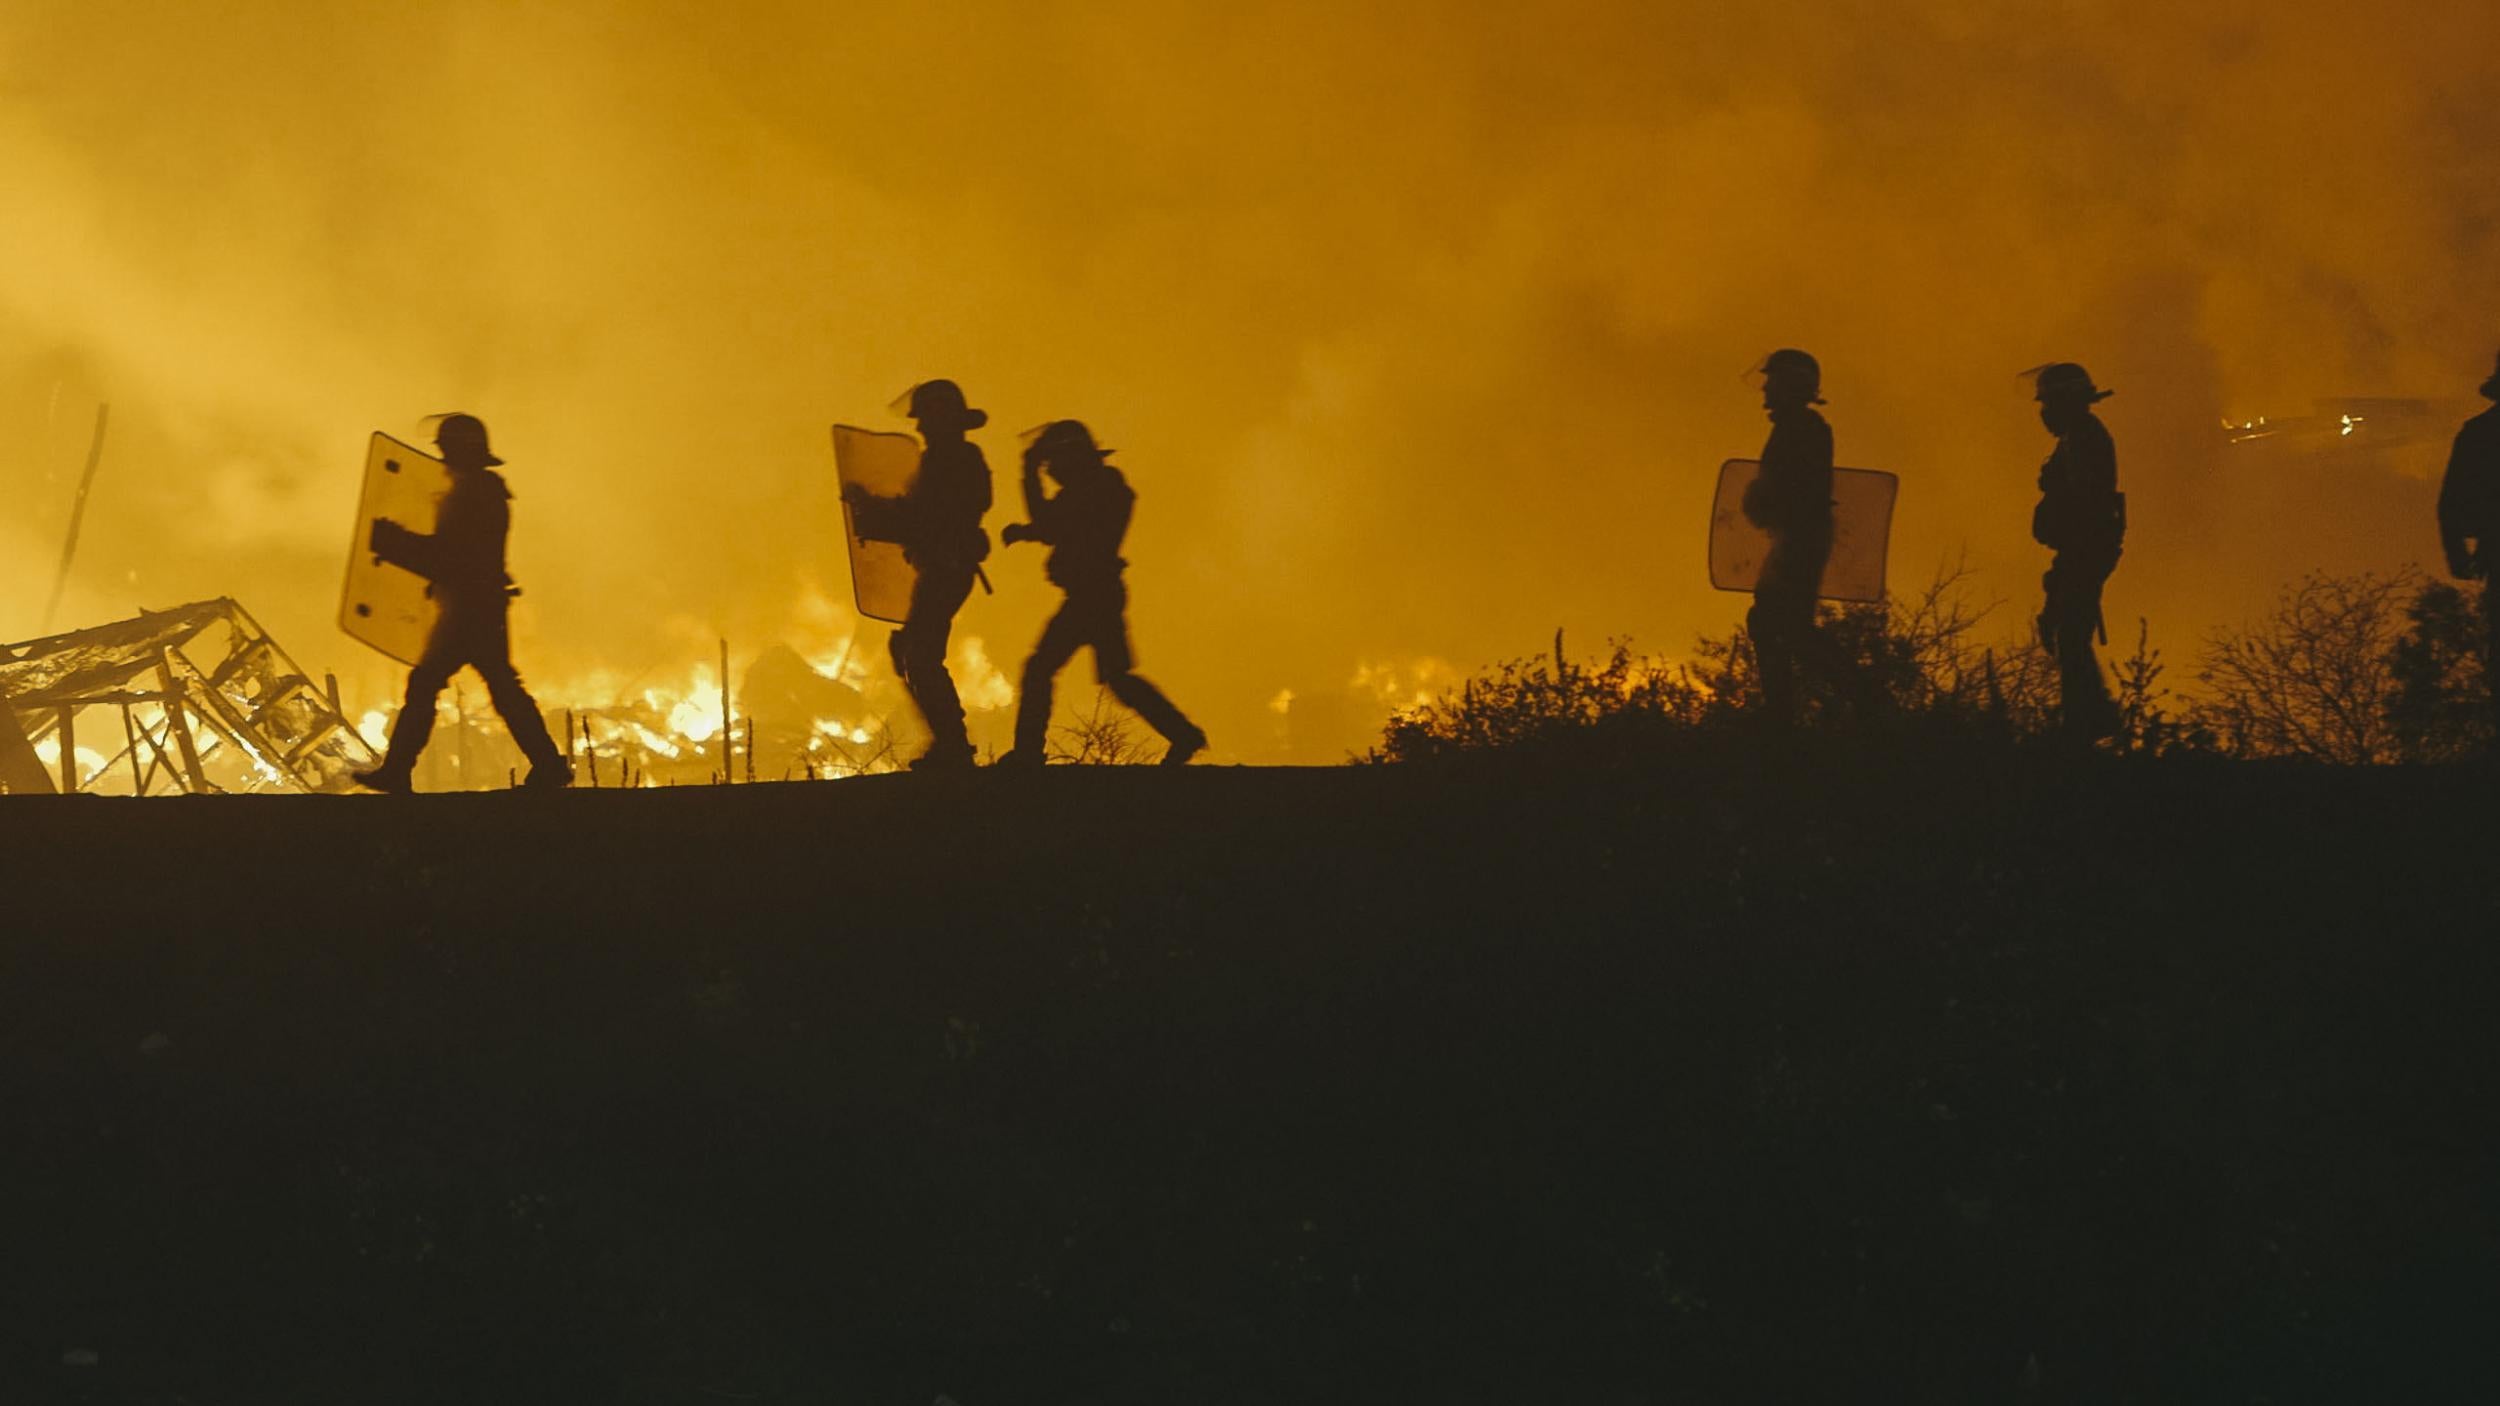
x: 1793, y: 370
x: 463, y: 436
x: 1062, y: 440
x: 942, y: 402
x: 2065, y: 382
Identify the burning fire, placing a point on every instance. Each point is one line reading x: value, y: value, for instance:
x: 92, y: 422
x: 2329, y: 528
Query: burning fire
x: 814, y: 709
x: 694, y: 713
x: 1402, y: 684
x: 90, y: 763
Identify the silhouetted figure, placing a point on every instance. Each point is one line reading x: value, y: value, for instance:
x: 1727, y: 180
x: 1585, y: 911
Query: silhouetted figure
x: 938, y: 524
x: 462, y: 561
x: 1791, y: 499
x: 2469, y: 518
x: 2082, y: 517
x: 1083, y: 523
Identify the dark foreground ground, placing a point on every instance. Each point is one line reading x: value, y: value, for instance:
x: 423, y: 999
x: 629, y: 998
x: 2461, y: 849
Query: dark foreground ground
x: 2001, y: 1082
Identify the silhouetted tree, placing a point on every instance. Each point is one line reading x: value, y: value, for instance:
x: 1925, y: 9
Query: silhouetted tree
x: 2440, y: 709
x: 2146, y: 725
x: 2315, y: 677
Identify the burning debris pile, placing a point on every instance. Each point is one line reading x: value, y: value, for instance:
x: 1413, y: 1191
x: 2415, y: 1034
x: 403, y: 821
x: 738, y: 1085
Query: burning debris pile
x: 200, y: 700
x: 786, y: 717
x: 192, y: 700
x: 787, y: 720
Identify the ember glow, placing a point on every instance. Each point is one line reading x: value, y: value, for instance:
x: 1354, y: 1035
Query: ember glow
x: 1416, y: 328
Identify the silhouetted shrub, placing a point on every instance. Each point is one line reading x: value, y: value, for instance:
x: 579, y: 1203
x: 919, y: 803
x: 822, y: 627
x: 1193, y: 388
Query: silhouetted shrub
x: 1537, y: 699
x: 1105, y: 734
x: 2315, y: 676
x: 1923, y: 651
x: 2345, y: 669
x: 2146, y: 726
x: 2440, y: 709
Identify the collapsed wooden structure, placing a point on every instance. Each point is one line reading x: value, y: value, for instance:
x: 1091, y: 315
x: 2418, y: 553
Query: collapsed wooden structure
x: 194, y: 700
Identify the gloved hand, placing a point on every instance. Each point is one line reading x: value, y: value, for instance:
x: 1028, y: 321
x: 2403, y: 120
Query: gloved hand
x: 390, y: 542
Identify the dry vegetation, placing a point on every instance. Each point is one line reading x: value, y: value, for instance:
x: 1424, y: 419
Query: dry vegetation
x: 2343, y: 669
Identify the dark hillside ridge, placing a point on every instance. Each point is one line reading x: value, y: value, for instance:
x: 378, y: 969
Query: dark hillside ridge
x: 1900, y: 1077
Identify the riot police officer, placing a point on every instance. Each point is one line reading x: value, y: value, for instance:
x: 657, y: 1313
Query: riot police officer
x: 938, y: 524
x: 462, y: 560
x: 2469, y: 517
x: 1791, y: 500
x: 2082, y: 518
x: 1084, y: 523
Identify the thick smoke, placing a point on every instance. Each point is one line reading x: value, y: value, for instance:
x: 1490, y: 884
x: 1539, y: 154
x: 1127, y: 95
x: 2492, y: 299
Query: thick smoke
x: 1419, y: 329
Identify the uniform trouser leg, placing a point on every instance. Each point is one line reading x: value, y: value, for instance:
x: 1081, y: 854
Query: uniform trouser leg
x: 1115, y: 667
x: 2071, y: 618
x: 415, y: 724
x: 492, y: 658
x: 920, y: 654
x: 1095, y: 619
x: 2491, y: 648
x: 446, y: 650
x: 483, y: 643
x: 1776, y: 622
x: 1061, y: 639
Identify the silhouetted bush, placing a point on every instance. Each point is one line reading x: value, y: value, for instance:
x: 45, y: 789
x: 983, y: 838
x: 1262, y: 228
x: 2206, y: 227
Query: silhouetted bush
x: 2353, y: 670
x: 1540, y: 698
x: 2440, y: 710
x: 1924, y: 652
x: 2312, y: 678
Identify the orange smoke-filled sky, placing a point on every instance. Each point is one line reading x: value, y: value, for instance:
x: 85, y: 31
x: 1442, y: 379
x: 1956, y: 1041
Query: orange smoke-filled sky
x: 1418, y: 327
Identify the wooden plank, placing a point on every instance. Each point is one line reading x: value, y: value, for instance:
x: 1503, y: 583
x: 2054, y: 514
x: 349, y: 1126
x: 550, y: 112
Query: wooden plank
x: 21, y: 771
x: 130, y: 749
x: 194, y: 780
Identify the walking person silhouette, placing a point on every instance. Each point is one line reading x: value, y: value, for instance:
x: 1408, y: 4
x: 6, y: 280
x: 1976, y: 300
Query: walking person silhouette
x: 462, y: 560
x: 938, y: 524
x: 1084, y: 523
x: 2469, y: 519
x: 2082, y: 518
x: 1791, y: 499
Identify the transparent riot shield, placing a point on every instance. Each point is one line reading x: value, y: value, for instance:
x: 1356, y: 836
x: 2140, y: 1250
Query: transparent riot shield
x: 884, y: 466
x: 385, y: 604
x: 1861, y: 532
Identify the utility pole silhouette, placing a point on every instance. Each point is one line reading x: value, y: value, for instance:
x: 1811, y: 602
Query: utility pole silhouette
x: 77, y: 515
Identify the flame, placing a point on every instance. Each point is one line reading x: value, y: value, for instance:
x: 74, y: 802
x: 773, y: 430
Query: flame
x: 1403, y: 684
x: 695, y: 713
x: 655, y: 742
x: 631, y: 730
x: 90, y: 763
x: 980, y: 682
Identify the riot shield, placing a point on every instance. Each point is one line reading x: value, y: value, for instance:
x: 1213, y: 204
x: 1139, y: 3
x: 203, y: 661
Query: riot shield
x: 1861, y: 532
x: 884, y: 465
x: 385, y: 604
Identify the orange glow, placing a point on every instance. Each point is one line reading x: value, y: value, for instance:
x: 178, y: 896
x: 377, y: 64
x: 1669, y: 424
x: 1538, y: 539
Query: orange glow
x: 1415, y: 329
